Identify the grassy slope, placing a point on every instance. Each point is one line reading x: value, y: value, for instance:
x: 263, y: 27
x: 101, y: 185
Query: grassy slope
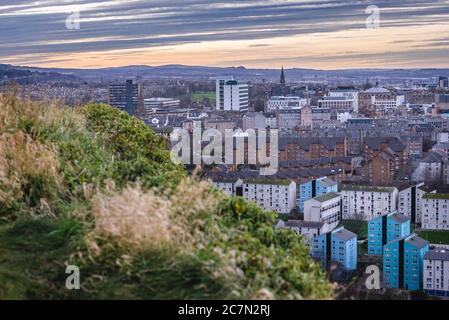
x: 48, y: 221
x: 435, y: 237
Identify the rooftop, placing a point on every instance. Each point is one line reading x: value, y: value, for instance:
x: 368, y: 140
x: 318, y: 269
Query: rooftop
x: 326, y: 197
x: 440, y: 196
x: 367, y: 188
x: 437, y: 254
x: 344, y: 234
x: 303, y: 224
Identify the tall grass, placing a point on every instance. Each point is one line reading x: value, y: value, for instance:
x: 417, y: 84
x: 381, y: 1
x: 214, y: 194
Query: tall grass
x: 96, y: 188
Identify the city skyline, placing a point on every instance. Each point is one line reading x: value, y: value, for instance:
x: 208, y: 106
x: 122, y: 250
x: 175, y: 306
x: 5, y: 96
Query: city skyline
x: 315, y: 34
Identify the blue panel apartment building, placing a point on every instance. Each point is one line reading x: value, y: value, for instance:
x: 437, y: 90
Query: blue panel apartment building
x: 403, y: 261
x: 339, y: 245
x: 384, y: 229
x: 315, y: 188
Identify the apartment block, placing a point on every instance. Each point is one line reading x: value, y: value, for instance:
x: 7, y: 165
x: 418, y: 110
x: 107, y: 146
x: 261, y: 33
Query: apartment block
x: 325, y: 208
x: 277, y: 195
x: 384, y: 229
x: 435, y: 211
x: 338, y: 246
x: 410, y: 199
x: 367, y: 202
x: 313, y: 188
x: 403, y: 263
x: 436, y: 273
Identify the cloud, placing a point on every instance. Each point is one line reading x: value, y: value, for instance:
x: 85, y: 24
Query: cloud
x: 38, y: 27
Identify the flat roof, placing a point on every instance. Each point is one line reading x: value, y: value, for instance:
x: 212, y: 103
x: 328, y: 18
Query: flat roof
x: 326, y: 197
x: 367, y: 188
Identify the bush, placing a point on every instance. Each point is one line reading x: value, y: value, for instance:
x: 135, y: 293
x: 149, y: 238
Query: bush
x: 96, y: 188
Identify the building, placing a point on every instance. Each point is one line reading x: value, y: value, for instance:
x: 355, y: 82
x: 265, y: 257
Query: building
x: 277, y: 195
x: 303, y: 148
x: 125, y: 96
x: 431, y: 169
x: 435, y: 211
x: 410, y: 199
x: 307, y: 229
x: 154, y: 104
x: 283, y: 103
x: 338, y: 246
x: 337, y: 104
x: 367, y: 202
x: 288, y: 120
x: 281, y: 89
x: 436, y: 273
x: 443, y: 82
x: 349, y: 93
x: 231, y: 95
x: 403, y: 263
x: 313, y: 188
x: 384, y: 229
x: 325, y: 208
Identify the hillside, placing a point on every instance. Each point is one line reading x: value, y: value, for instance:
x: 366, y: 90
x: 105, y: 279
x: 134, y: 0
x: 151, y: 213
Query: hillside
x: 95, y: 188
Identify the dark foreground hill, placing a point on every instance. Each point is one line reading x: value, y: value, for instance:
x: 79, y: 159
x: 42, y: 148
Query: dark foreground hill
x: 95, y: 188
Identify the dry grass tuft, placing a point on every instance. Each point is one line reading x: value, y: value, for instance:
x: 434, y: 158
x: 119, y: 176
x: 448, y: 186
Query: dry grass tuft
x: 22, y: 158
x: 144, y: 219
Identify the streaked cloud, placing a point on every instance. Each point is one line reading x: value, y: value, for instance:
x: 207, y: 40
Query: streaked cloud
x: 302, y: 33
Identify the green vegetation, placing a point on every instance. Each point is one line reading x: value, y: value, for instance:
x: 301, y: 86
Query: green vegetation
x: 441, y: 196
x: 95, y: 188
x: 367, y: 188
x: 200, y: 96
x: 435, y: 237
x: 359, y: 227
x: 327, y: 197
x: 278, y: 182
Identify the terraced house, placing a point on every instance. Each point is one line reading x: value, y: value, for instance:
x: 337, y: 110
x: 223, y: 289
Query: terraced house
x: 296, y: 148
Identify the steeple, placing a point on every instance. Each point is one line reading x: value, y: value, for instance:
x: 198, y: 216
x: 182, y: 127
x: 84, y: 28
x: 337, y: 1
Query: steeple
x: 282, y: 76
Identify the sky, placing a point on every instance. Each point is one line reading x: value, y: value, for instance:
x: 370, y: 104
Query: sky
x: 320, y: 34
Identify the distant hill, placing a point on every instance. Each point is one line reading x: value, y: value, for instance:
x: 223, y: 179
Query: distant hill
x: 200, y: 72
x: 20, y: 75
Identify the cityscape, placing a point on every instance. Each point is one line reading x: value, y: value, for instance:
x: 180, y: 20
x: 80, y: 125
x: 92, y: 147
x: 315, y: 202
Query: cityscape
x: 348, y: 161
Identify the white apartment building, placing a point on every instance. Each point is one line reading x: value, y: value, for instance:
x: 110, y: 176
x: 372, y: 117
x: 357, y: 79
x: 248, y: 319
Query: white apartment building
x: 348, y: 94
x: 307, y: 229
x: 435, y: 211
x: 367, y: 202
x: 436, y: 273
x: 325, y: 208
x: 276, y: 195
x: 285, y: 103
x: 231, y: 95
x: 270, y: 194
x: 409, y: 201
x: 341, y: 104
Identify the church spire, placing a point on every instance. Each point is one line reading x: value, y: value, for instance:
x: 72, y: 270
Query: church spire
x: 282, y: 76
